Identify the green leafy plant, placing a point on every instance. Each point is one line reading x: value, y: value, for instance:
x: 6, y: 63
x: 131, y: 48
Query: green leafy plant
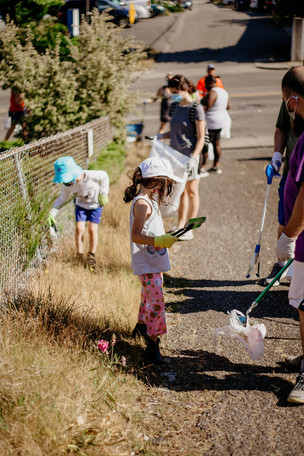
x: 61, y: 90
x: 111, y: 159
x: 170, y: 6
x: 30, y: 217
x: 23, y: 12
x: 7, y: 145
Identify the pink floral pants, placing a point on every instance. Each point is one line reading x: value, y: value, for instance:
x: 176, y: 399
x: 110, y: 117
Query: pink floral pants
x: 152, y: 305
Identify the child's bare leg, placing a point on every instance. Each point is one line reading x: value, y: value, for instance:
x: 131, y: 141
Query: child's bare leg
x: 79, y: 233
x: 93, y: 236
x: 183, y: 208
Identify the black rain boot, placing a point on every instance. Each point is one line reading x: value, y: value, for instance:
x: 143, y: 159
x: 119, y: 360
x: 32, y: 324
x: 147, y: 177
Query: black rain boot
x: 152, y: 352
x: 140, y: 330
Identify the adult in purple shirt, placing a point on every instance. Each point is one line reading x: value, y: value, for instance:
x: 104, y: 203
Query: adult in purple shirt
x: 291, y: 241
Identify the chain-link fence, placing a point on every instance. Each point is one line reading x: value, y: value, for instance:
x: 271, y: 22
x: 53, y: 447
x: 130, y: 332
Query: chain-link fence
x: 27, y: 193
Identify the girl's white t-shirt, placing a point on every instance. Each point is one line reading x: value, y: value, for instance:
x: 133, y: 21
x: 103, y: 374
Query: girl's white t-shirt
x: 147, y: 258
x: 217, y: 115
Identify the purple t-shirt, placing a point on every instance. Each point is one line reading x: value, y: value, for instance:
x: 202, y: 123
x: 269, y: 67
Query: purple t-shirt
x: 293, y: 184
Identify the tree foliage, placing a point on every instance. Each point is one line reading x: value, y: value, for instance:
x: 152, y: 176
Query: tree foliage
x: 25, y: 11
x: 90, y: 80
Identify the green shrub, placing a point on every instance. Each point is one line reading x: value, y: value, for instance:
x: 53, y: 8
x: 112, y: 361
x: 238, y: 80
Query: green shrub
x: 90, y: 79
x: 23, y: 12
x: 7, y: 145
x: 170, y: 6
x: 111, y: 159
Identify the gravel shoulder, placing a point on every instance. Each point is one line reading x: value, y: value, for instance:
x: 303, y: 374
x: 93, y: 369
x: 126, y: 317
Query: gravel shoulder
x: 217, y: 400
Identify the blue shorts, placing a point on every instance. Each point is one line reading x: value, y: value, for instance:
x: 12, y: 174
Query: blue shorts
x: 88, y: 215
x: 281, y: 215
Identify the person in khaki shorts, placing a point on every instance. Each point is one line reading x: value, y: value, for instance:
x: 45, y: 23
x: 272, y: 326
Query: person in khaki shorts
x: 188, y: 139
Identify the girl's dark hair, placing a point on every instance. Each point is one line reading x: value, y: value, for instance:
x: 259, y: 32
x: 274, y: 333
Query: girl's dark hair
x: 166, y: 185
x: 179, y: 82
x: 210, y: 80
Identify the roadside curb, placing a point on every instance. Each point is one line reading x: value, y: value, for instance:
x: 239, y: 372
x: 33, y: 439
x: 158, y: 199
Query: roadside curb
x: 266, y: 65
x: 261, y: 142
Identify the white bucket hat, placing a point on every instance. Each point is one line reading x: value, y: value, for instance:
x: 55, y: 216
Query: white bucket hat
x: 156, y: 166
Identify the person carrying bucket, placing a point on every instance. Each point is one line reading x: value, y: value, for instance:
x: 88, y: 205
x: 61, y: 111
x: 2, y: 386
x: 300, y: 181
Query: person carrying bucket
x: 291, y: 242
x: 152, y: 181
x: 91, y: 190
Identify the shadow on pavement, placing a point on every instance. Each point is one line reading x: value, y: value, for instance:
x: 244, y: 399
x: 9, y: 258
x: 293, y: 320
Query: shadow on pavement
x: 199, y: 297
x: 202, y: 370
x: 262, y: 39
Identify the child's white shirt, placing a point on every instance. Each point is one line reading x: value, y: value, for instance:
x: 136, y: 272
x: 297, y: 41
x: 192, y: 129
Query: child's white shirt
x: 147, y: 258
x: 87, y: 191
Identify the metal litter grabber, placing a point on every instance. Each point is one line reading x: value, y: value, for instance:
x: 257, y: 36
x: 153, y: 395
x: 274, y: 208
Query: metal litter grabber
x: 192, y: 224
x: 270, y: 174
x: 258, y: 299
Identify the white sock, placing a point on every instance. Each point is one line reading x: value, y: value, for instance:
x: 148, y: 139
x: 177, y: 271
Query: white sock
x: 282, y: 263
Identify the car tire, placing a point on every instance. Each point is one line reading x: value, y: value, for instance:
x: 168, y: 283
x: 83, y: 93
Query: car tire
x: 123, y: 22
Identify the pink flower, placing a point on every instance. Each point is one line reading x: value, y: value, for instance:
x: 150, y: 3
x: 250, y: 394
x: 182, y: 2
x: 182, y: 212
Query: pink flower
x: 103, y: 345
x: 123, y: 361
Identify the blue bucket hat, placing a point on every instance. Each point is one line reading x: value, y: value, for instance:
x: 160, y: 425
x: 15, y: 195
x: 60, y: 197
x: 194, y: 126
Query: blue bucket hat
x: 66, y: 170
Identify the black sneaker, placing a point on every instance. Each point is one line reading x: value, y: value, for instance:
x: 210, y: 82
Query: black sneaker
x: 276, y: 268
x: 294, y: 362
x: 140, y: 330
x: 152, y: 352
x: 297, y: 393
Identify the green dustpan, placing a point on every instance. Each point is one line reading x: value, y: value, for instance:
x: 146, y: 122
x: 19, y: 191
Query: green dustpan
x: 190, y: 225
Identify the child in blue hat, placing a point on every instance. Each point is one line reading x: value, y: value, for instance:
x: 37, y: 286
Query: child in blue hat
x: 91, y: 190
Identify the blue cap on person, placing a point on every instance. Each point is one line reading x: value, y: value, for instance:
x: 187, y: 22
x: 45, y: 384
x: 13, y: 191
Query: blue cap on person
x: 66, y: 170
x: 157, y: 166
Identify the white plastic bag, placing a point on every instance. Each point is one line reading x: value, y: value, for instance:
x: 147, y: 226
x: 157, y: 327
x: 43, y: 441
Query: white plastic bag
x: 7, y: 122
x: 210, y: 152
x: 250, y: 336
x: 178, y: 162
x: 226, y: 131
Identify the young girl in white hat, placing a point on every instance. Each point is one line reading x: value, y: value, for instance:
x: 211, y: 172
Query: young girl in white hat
x: 152, y: 182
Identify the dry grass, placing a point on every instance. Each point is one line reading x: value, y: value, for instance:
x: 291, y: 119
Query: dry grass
x: 58, y: 394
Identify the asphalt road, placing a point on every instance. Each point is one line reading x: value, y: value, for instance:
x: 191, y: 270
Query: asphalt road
x: 250, y: 54
x: 218, y: 400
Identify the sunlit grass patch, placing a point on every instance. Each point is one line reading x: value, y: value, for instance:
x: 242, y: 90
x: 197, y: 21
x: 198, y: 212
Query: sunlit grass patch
x: 59, y: 394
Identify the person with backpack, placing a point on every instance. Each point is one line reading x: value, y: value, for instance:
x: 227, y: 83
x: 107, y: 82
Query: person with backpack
x: 187, y: 136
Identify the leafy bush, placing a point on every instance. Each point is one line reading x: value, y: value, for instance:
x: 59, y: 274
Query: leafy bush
x: 7, y: 145
x: 112, y: 160
x: 90, y: 80
x: 170, y: 6
x: 23, y: 12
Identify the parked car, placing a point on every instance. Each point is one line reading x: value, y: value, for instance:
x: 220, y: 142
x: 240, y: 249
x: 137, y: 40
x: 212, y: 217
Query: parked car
x: 187, y: 4
x: 113, y: 7
x: 142, y: 7
x: 157, y: 9
x: 241, y: 5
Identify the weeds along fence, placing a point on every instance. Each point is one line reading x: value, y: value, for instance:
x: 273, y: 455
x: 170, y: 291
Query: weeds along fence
x: 27, y: 193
